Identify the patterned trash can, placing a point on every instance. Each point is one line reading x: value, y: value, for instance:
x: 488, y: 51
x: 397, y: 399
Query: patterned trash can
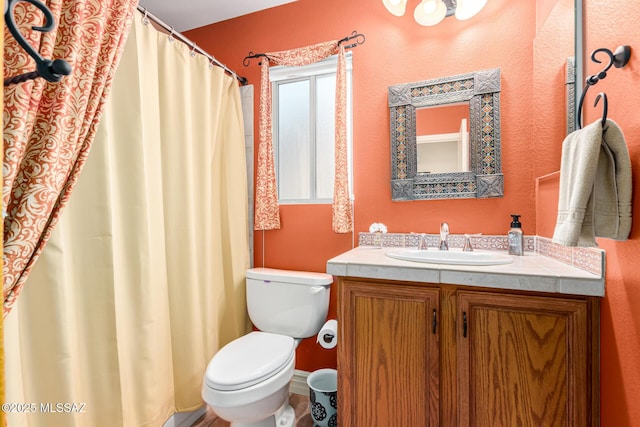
x: 323, y: 396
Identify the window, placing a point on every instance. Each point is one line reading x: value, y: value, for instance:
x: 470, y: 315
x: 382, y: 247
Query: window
x: 303, y: 130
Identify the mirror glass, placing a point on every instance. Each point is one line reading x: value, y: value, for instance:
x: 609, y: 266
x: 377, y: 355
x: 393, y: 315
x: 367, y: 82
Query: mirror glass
x: 460, y: 160
x: 442, y: 138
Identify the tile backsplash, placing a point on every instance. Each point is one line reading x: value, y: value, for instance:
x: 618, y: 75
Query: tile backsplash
x: 399, y: 240
x: 588, y: 259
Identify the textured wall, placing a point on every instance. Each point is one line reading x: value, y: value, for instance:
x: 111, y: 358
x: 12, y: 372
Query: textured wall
x: 398, y: 51
x: 609, y: 24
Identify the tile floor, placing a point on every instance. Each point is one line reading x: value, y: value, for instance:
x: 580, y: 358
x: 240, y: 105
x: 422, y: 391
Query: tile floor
x: 298, y: 402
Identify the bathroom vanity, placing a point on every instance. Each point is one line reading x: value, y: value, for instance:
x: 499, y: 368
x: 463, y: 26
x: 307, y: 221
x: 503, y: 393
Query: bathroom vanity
x: 453, y: 345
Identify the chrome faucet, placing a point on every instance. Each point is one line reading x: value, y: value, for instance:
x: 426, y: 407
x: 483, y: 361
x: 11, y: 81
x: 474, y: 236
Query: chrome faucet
x: 444, y: 233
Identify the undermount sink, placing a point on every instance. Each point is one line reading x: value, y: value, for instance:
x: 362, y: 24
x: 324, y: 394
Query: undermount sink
x: 450, y: 257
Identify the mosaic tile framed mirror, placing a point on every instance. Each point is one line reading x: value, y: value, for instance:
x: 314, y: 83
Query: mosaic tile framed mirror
x: 428, y: 162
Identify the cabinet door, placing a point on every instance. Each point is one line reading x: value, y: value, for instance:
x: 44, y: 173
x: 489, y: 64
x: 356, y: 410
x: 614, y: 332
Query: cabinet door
x: 388, y: 357
x: 522, y: 361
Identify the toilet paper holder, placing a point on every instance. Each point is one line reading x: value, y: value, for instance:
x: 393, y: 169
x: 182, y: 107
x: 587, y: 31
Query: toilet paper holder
x: 328, y: 338
x: 328, y: 335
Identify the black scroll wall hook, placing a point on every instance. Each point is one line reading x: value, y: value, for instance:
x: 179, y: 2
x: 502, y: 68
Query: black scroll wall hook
x: 618, y: 59
x: 52, y: 71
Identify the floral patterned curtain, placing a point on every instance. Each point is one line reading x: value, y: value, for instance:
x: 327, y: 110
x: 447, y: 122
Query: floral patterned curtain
x: 342, y: 209
x: 49, y: 127
x: 267, y: 213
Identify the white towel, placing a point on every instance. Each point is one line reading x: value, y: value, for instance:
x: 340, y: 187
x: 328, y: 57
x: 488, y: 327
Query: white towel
x: 595, y: 186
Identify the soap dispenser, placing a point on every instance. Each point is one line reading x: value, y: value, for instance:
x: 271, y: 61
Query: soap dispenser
x: 515, y: 237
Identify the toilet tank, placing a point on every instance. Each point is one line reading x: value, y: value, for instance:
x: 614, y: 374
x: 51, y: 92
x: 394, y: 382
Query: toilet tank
x: 293, y: 303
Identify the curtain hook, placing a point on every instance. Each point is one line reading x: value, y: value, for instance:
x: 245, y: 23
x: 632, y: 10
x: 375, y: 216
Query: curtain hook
x: 211, y: 64
x: 145, y: 19
x: 171, y: 35
x: 193, y: 49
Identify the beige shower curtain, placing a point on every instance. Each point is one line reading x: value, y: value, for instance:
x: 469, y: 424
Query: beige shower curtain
x: 143, y: 278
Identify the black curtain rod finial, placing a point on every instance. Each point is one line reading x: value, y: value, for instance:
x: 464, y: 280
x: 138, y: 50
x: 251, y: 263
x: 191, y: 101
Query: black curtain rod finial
x: 247, y: 59
x: 360, y: 39
x: 55, y: 70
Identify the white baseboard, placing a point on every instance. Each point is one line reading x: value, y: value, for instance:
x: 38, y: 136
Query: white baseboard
x: 185, y: 419
x: 299, y: 383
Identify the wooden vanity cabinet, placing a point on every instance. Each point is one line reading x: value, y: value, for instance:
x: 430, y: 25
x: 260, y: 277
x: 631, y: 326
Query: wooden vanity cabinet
x: 388, y: 355
x: 414, y: 354
x: 526, y: 360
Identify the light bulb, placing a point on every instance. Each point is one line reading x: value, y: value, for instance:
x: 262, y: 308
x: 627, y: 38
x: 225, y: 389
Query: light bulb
x: 430, y: 12
x: 429, y: 6
x: 468, y: 8
x: 395, y: 7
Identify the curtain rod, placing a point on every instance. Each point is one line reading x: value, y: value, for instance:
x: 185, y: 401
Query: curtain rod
x: 359, y: 39
x: 146, y: 14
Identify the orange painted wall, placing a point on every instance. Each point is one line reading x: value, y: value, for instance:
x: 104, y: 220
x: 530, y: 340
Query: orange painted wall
x: 399, y: 51
x: 607, y: 26
x: 610, y: 23
x: 543, y: 9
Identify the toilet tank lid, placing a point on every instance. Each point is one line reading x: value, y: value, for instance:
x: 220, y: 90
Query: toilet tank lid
x: 290, y: 276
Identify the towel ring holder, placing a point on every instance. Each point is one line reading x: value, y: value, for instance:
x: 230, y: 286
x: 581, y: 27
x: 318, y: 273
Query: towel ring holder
x: 618, y: 59
x: 605, y: 106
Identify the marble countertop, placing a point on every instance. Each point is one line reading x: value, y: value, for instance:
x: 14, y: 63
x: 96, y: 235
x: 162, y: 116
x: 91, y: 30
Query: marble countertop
x: 531, y: 272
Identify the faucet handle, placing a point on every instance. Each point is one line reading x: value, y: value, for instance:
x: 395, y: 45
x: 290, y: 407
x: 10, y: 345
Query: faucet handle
x: 467, y: 241
x: 422, y: 242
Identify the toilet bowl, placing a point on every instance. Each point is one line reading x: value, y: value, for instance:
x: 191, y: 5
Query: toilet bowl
x: 249, y: 378
x: 247, y: 381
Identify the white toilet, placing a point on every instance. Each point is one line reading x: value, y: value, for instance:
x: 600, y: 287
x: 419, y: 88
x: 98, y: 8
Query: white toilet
x: 247, y: 381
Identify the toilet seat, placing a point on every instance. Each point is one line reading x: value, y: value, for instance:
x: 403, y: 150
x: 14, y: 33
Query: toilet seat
x: 249, y: 360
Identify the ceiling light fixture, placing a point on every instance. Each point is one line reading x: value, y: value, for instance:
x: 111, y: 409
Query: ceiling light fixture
x: 431, y: 12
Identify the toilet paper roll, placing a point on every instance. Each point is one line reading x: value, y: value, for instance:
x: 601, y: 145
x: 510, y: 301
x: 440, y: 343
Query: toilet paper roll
x: 328, y: 335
